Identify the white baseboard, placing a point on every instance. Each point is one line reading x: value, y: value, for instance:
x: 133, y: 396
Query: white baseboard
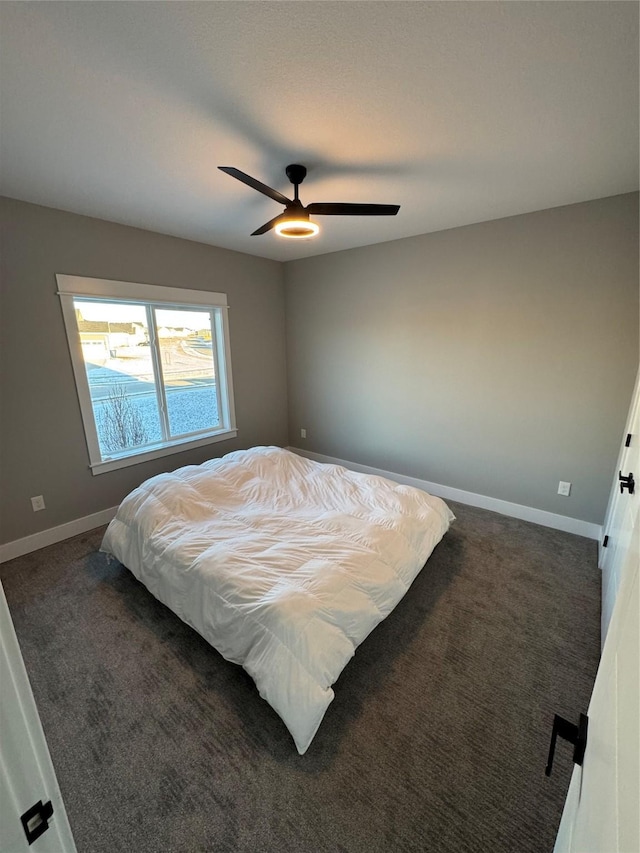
x: 55, y: 534
x: 526, y: 513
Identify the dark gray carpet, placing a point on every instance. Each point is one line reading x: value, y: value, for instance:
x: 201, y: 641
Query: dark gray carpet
x: 436, y: 740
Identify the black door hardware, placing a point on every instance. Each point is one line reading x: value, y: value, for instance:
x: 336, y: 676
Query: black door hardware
x: 36, y: 820
x: 577, y: 735
x: 605, y: 541
x: 626, y: 483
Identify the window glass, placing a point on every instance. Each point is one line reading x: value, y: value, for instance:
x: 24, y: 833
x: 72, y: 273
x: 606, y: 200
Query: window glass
x: 117, y: 359
x: 186, y: 345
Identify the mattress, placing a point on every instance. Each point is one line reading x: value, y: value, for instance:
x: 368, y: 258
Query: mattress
x: 282, y: 564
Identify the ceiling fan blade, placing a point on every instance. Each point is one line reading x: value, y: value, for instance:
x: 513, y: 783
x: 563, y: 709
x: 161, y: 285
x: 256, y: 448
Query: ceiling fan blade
x: 256, y: 185
x: 346, y: 209
x: 267, y: 226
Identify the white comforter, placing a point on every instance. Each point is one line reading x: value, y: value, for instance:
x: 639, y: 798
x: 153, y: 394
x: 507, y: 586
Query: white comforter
x: 284, y: 565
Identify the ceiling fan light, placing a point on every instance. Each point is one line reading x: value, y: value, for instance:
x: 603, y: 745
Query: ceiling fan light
x: 297, y: 229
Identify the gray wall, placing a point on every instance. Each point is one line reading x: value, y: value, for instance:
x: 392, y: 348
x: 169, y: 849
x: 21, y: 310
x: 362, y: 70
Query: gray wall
x: 498, y: 358
x: 42, y: 444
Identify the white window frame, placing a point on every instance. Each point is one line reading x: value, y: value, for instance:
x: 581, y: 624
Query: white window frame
x: 71, y: 287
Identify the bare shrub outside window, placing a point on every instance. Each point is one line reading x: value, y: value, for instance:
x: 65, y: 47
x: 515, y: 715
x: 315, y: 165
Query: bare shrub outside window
x: 119, y: 422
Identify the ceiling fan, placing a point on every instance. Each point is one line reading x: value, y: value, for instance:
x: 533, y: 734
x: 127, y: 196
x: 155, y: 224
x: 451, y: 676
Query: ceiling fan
x: 295, y: 222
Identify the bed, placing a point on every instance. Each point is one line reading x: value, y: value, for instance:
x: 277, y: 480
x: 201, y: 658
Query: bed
x: 284, y: 565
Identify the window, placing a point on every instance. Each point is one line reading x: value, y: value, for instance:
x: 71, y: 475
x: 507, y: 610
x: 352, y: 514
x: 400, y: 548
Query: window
x: 152, y: 368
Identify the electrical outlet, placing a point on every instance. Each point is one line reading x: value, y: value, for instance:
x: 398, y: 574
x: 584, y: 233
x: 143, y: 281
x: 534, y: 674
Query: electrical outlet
x: 303, y: 433
x: 37, y: 503
x: 564, y: 488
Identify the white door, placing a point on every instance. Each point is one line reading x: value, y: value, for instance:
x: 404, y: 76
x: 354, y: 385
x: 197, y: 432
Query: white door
x: 601, y: 813
x: 621, y: 512
x: 27, y: 776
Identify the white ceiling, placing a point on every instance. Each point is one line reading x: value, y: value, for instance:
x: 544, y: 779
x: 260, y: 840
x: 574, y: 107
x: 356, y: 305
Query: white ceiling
x: 458, y: 111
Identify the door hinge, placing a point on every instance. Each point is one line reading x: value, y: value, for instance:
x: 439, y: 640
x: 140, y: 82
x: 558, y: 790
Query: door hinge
x: 605, y: 541
x: 628, y: 440
x: 35, y: 820
x: 626, y: 483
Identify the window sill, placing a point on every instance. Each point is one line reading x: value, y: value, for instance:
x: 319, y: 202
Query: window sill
x: 166, y: 450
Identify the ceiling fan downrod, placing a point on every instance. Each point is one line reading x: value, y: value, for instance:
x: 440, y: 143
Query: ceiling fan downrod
x: 296, y: 174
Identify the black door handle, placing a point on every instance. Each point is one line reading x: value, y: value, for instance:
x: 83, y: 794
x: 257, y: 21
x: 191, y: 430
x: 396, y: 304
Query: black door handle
x: 577, y: 735
x: 626, y: 483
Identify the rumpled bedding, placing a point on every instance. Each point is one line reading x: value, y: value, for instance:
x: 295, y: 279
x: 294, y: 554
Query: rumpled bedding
x: 283, y: 564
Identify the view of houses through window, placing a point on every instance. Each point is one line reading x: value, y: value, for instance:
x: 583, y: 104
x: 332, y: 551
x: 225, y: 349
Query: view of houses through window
x: 151, y: 372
